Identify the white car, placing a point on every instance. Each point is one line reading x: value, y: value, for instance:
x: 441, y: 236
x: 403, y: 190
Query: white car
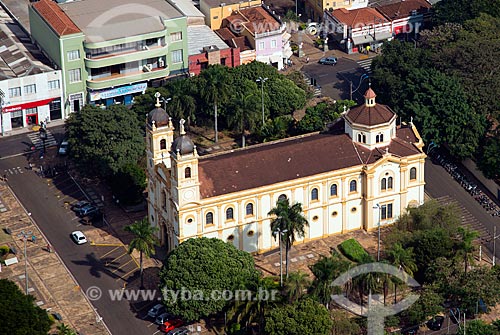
x: 63, y: 148
x: 78, y: 237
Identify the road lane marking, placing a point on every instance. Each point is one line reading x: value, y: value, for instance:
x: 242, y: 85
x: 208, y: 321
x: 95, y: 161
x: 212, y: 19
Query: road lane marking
x: 125, y: 275
x: 121, y: 266
x: 114, y: 260
x: 109, y: 252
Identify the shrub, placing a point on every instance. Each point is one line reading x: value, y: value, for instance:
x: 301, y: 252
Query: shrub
x: 354, y: 251
x: 129, y: 184
x: 4, y: 250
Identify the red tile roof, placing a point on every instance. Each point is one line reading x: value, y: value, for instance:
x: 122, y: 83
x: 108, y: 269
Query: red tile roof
x: 358, y: 17
x: 55, y: 17
x: 289, y: 159
x: 232, y: 40
x: 370, y: 116
x: 254, y: 19
x: 403, y: 9
x: 369, y: 94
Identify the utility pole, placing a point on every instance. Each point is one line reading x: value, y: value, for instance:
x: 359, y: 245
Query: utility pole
x: 262, y: 81
x: 495, y: 236
x: 2, y: 95
x: 377, y: 206
x: 25, y: 238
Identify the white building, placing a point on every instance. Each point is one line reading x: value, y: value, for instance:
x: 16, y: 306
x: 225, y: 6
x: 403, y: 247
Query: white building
x: 32, y: 90
x: 363, y: 172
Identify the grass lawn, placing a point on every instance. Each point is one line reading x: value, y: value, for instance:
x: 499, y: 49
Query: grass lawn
x: 4, y: 237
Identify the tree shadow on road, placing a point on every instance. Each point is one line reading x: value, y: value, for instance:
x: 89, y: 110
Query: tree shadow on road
x: 98, y: 267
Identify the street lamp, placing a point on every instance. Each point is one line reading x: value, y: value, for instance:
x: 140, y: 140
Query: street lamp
x: 495, y: 236
x: 363, y: 77
x: 2, y: 95
x: 25, y: 238
x: 262, y: 81
x: 281, y: 234
x: 377, y: 206
x: 43, y: 137
x: 165, y: 101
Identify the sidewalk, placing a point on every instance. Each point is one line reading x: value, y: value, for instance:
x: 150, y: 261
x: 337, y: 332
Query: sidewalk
x: 29, y: 129
x: 49, y: 281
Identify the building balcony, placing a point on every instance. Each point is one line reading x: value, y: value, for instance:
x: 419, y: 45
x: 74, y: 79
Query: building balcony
x: 118, y: 79
x: 125, y: 57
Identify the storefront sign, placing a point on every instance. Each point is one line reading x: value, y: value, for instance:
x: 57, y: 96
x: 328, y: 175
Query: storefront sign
x: 124, y: 90
x: 33, y: 104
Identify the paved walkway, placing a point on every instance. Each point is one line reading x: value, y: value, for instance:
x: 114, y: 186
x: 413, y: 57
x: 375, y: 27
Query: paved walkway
x: 49, y: 281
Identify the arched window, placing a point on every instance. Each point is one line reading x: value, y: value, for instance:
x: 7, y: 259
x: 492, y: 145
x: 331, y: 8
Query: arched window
x: 314, y: 194
x: 209, y: 218
x: 353, y: 186
x: 383, y: 184
x: 360, y: 138
x: 282, y: 197
x: 333, y: 190
x: 163, y: 144
x: 381, y: 137
x: 413, y: 173
x: 389, y: 183
x: 187, y: 172
x: 364, y: 138
x: 229, y: 214
x: 249, y: 209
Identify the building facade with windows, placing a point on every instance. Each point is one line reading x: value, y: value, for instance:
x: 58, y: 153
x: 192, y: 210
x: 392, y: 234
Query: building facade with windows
x: 314, y: 8
x: 363, y: 172
x: 217, y: 10
x: 31, y: 89
x: 109, y: 51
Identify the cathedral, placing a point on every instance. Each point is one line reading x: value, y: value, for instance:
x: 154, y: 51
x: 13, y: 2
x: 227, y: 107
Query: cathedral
x: 361, y: 173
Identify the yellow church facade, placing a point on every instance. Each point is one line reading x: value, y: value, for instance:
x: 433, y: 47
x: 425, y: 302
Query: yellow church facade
x: 363, y: 172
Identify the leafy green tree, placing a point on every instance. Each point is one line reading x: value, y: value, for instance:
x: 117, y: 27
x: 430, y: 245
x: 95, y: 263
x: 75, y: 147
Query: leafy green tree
x: 197, y: 268
x: 129, y: 183
x: 276, y: 128
x: 477, y: 327
x: 428, y: 304
x: 296, y: 285
x: 402, y: 258
x: 303, y: 317
x: 298, y: 78
x: 489, y: 161
x: 284, y: 96
x: 144, y: 241
x: 20, y: 316
x: 104, y: 141
x: 459, y: 11
x: 343, y: 323
x: 288, y: 223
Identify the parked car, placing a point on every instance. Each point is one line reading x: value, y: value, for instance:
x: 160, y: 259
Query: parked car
x: 156, y: 310
x: 162, y: 318
x: 78, y: 237
x: 435, y: 323
x: 63, y: 148
x: 89, y: 210
x: 179, y: 331
x: 171, y: 325
x: 328, y: 61
x: 77, y: 206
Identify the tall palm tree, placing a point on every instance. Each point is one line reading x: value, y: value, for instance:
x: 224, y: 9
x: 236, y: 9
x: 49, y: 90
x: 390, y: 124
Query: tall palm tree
x: 244, y: 115
x: 402, y: 258
x: 216, y: 89
x: 325, y: 271
x: 182, y: 105
x: 288, y: 223
x: 296, y: 284
x: 466, y: 245
x: 144, y: 241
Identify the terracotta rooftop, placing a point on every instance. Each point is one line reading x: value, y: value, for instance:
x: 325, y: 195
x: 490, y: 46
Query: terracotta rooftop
x: 370, y: 116
x: 232, y: 40
x: 357, y: 17
x: 369, y: 94
x: 254, y: 19
x: 290, y: 159
x: 55, y: 17
x: 403, y: 9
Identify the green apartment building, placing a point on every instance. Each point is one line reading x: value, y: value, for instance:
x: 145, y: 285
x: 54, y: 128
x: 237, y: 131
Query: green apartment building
x: 110, y: 50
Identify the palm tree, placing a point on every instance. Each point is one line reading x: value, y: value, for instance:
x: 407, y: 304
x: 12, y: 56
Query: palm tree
x: 402, y: 258
x: 216, y: 89
x: 244, y: 116
x: 466, y: 245
x: 289, y: 223
x: 144, y: 241
x: 64, y: 329
x: 325, y: 271
x: 182, y: 105
x: 295, y: 285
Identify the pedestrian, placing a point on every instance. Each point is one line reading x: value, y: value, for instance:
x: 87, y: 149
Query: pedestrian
x: 46, y: 120
x: 30, y: 166
x: 4, y: 177
x: 367, y: 49
x: 307, y: 59
x: 33, y: 238
x: 48, y: 248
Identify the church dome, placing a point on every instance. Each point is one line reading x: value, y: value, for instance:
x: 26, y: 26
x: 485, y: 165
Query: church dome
x: 158, y: 115
x: 183, y: 145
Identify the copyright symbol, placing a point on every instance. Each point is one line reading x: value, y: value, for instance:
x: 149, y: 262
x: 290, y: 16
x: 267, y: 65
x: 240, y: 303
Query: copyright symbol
x: 93, y: 293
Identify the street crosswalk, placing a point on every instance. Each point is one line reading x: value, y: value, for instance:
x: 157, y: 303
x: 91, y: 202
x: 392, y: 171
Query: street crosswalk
x: 13, y: 170
x: 366, y: 65
x: 38, y: 143
x: 316, y: 89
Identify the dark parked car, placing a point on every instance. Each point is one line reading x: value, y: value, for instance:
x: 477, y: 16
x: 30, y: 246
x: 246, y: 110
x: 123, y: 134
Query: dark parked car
x: 328, y: 61
x: 88, y: 210
x: 79, y: 205
x: 435, y: 323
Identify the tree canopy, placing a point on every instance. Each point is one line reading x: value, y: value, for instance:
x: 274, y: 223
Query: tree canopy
x: 103, y: 141
x: 20, y: 316
x: 198, y: 267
